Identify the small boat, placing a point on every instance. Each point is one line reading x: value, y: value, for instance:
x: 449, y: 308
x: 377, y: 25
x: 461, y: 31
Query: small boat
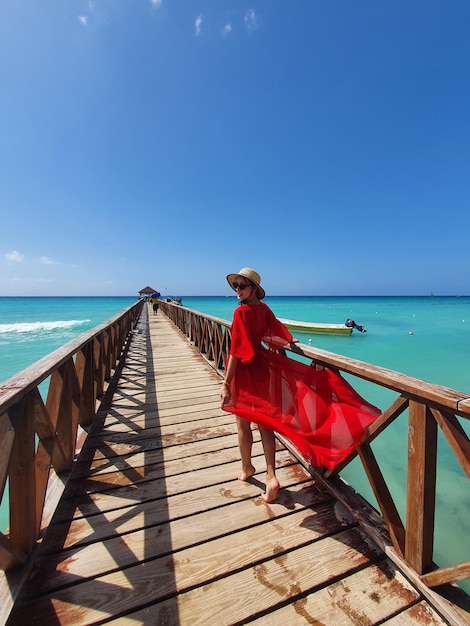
x: 330, y: 329
x: 173, y: 300
x: 313, y: 327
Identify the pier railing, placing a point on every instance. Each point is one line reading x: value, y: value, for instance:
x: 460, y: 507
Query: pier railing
x: 39, y: 438
x: 430, y: 407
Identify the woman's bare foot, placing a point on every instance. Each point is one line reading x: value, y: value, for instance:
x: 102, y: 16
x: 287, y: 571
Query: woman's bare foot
x: 272, y: 489
x: 246, y: 473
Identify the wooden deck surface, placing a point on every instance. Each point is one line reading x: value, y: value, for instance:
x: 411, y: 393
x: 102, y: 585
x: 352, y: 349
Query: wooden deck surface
x: 154, y: 528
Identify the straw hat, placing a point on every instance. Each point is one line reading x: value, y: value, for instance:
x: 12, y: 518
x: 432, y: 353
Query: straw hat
x: 253, y: 276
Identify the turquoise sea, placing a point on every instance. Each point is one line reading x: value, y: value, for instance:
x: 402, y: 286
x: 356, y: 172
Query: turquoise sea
x: 425, y: 337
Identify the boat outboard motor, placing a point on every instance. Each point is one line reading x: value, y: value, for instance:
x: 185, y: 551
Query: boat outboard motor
x: 352, y: 324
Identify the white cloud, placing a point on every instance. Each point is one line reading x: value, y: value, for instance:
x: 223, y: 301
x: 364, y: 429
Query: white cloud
x: 14, y: 257
x: 17, y: 279
x: 82, y: 19
x: 197, y: 25
x: 226, y: 30
x: 156, y: 3
x: 251, y: 20
x: 45, y: 260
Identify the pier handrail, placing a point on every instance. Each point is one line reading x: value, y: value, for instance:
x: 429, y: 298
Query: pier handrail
x: 39, y: 439
x: 430, y: 407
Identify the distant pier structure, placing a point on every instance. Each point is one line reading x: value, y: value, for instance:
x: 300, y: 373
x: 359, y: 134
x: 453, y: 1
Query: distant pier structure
x: 147, y: 292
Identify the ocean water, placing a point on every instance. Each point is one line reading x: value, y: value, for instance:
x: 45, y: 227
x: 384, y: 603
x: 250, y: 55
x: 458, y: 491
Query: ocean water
x: 425, y: 337
x: 31, y: 328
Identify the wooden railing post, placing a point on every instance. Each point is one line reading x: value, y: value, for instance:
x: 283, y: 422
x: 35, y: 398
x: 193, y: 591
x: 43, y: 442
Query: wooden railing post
x: 84, y: 367
x: 421, y: 487
x: 98, y: 366
x: 22, y: 485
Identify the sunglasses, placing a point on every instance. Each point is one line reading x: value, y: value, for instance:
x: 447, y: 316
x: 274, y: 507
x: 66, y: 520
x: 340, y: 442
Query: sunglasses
x: 240, y: 285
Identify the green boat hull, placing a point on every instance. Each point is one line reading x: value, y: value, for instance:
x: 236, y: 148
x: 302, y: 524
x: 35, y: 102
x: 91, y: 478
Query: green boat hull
x: 312, y: 327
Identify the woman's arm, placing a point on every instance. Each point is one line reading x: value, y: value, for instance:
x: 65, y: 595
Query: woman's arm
x: 226, y: 392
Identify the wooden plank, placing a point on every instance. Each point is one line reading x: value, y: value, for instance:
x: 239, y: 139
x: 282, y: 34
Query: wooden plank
x: 136, y: 420
x: 117, y: 455
x: 171, y: 436
x: 159, y: 485
x: 368, y: 596
x: 226, y: 600
x: 216, y: 551
x: 420, y: 613
x: 153, y: 409
x: 97, y: 463
x: 119, y: 521
x: 143, y: 418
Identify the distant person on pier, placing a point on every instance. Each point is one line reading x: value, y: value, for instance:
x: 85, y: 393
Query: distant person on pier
x: 316, y: 409
x: 155, y: 305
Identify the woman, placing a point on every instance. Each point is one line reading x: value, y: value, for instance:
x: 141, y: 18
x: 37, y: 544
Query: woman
x: 317, y: 410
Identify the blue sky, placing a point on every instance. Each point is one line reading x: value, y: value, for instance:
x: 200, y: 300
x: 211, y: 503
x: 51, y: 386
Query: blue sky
x: 326, y: 143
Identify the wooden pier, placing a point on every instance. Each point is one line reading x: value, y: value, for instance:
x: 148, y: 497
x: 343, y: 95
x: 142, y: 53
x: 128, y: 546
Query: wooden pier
x: 154, y: 528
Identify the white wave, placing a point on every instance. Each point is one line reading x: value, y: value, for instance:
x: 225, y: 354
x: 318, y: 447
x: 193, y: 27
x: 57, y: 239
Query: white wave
x: 37, y: 327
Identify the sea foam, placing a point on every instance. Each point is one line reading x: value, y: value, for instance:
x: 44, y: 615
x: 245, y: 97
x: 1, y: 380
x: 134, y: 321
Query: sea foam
x: 37, y: 327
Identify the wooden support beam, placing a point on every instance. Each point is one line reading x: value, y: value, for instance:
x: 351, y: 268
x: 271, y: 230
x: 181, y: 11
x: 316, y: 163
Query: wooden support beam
x: 390, y: 414
x: 384, y: 498
x: 421, y: 487
x: 7, y: 436
x: 10, y: 555
x: 445, y: 575
x: 456, y: 436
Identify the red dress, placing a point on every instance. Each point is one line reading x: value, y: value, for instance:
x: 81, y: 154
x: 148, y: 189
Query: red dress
x: 316, y: 409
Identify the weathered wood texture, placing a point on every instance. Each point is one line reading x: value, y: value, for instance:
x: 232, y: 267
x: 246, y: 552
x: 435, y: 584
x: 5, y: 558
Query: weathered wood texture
x: 154, y: 528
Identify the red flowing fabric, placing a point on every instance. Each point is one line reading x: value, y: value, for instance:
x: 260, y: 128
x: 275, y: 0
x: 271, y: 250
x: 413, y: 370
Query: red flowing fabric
x: 317, y: 410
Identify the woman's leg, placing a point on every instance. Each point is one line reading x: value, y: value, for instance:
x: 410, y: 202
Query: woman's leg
x: 269, y: 447
x: 245, y: 443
